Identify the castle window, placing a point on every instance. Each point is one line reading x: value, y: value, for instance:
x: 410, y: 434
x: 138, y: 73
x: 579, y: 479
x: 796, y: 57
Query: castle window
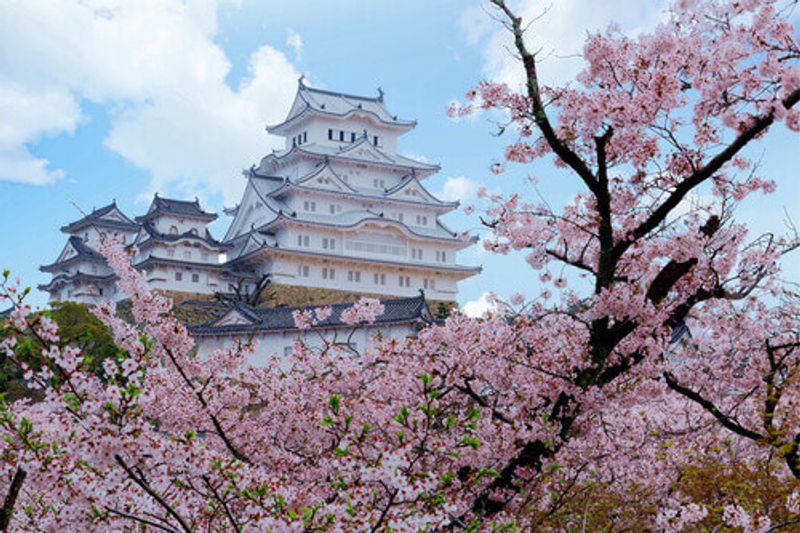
x: 173, y: 230
x: 333, y: 209
x: 429, y: 284
x: 330, y: 135
x: 305, y: 137
x: 404, y: 281
x: 416, y: 253
x: 379, y: 279
x: 195, y: 278
x: 341, y: 135
x: 441, y: 256
x: 170, y: 253
x: 303, y: 271
x: 352, y: 136
x: 310, y: 206
x: 375, y: 140
x: 178, y: 276
x: 328, y: 273
x: 422, y: 220
x: 100, y: 291
x: 354, y: 275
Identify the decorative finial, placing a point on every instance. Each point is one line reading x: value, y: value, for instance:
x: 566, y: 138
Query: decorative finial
x: 380, y: 94
x: 364, y: 135
x: 197, y: 200
x: 413, y: 172
x: 301, y: 80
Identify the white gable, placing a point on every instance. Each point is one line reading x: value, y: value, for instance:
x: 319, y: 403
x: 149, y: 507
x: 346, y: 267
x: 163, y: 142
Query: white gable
x: 233, y: 318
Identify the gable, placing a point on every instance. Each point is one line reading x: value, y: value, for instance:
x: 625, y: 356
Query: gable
x: 325, y: 179
x: 413, y: 191
x: 363, y: 149
x: 68, y: 252
x: 233, y: 318
x: 115, y: 215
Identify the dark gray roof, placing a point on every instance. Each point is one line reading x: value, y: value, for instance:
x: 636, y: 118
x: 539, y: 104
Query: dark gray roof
x: 83, y: 276
x: 336, y: 104
x: 156, y: 235
x: 399, y: 310
x: 170, y: 206
x: 179, y: 262
x: 7, y: 313
x: 83, y: 253
x: 95, y: 218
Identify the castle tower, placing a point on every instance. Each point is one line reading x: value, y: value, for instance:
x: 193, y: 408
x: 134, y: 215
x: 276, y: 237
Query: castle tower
x: 175, y: 249
x: 340, y: 209
x: 80, y: 272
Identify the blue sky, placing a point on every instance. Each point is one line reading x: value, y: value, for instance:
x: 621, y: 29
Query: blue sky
x: 107, y: 99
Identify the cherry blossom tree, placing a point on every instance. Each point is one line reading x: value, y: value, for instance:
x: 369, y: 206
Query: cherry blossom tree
x: 677, y: 365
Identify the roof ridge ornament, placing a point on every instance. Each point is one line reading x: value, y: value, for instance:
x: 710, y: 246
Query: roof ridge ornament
x: 301, y: 81
x: 380, y: 94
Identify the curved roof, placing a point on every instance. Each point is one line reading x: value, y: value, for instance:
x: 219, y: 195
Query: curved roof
x: 108, y: 216
x: 320, y: 151
x: 82, y: 253
x: 309, y: 101
x: 354, y: 219
x: 254, y: 319
x: 67, y: 278
x: 173, y: 207
x: 153, y: 235
x: 468, y: 270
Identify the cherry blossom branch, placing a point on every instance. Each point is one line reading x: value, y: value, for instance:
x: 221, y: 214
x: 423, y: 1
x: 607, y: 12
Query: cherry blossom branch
x: 153, y: 494
x: 534, y: 93
x: 709, y: 406
x: 141, y: 520
x: 702, y: 174
x: 11, y: 498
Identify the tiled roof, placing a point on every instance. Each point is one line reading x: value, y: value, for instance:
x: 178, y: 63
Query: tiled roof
x: 280, y: 318
x: 320, y: 151
x: 66, y: 278
x: 7, y: 313
x: 243, y: 253
x: 95, y: 218
x: 83, y: 252
x: 156, y: 235
x: 170, y: 206
x: 340, y: 105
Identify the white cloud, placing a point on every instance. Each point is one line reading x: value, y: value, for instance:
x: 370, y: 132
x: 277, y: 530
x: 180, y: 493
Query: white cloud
x: 27, y: 117
x: 417, y: 157
x: 155, y: 66
x: 558, y: 35
x: 487, y: 303
x: 459, y: 189
x: 295, y: 42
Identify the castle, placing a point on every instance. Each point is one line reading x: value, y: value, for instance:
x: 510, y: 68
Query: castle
x: 336, y: 212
